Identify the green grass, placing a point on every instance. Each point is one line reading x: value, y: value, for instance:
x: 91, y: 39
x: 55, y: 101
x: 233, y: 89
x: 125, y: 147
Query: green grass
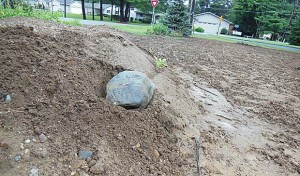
x: 134, y: 29
x: 88, y: 17
x: 234, y: 39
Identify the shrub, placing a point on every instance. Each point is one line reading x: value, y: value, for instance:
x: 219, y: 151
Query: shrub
x: 224, y: 31
x: 199, y: 29
x: 158, y: 29
x: 146, y: 20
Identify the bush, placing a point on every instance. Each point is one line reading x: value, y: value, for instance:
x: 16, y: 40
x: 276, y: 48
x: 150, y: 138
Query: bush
x: 25, y: 11
x: 199, y: 29
x: 146, y: 20
x: 224, y: 31
x: 158, y: 29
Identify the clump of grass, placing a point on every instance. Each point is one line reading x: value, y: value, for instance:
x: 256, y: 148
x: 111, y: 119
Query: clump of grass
x: 74, y: 22
x: 160, y: 63
x: 158, y: 29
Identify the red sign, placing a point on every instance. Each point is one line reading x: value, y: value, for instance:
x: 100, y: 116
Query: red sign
x: 154, y: 3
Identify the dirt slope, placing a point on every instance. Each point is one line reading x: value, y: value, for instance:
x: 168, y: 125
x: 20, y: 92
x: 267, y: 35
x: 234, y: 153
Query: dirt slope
x: 241, y: 102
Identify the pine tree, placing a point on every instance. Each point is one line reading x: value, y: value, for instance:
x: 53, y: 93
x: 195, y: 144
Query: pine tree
x: 294, y: 38
x: 177, y: 18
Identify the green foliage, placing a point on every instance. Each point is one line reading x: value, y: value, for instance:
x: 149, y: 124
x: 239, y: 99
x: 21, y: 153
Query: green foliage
x: 294, y: 37
x: 199, y: 29
x: 160, y: 63
x: 224, y: 31
x: 262, y: 16
x: 177, y: 18
x: 73, y: 22
x: 25, y: 11
x: 158, y: 29
x: 146, y: 20
x: 175, y: 34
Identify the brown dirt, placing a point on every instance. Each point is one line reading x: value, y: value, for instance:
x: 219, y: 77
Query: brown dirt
x: 241, y: 102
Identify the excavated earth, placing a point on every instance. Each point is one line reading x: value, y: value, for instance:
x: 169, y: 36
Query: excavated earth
x: 230, y: 109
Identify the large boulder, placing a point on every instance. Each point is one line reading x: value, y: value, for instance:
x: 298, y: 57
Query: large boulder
x: 130, y: 89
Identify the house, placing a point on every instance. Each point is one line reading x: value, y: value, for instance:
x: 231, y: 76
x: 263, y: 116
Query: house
x: 89, y: 9
x: 53, y: 5
x: 210, y: 23
x: 75, y: 7
x: 62, y: 3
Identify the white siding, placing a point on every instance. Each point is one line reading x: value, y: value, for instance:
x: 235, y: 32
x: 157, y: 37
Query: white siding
x: 210, y: 23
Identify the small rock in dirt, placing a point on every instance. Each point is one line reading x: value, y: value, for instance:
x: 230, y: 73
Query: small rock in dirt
x: 85, y: 154
x: 27, y: 141
x: 37, y: 131
x: 17, y: 158
x: 26, y: 155
x: 41, y: 152
x: 92, y: 163
x: 33, y: 140
x: 130, y: 89
x: 34, y: 172
x: 22, y: 146
x: 42, y: 138
x: 156, y: 153
x: 7, y: 98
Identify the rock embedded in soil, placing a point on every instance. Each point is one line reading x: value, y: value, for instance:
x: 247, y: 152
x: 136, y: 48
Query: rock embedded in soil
x: 26, y: 155
x: 17, y: 158
x: 34, y: 172
x: 130, y: 89
x: 85, y: 154
x: 37, y: 131
x: 42, y: 138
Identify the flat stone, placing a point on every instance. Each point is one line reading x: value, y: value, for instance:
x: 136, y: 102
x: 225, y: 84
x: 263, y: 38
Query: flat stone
x: 130, y: 89
x: 85, y: 154
x: 17, y: 158
x: 34, y: 172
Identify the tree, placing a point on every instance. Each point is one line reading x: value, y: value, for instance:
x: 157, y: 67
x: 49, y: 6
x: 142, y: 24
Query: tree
x: 262, y: 16
x: 177, y: 18
x: 83, y: 10
x: 294, y: 38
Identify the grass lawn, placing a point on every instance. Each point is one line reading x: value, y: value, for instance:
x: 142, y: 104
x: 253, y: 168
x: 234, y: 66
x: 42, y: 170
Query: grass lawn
x: 88, y: 17
x: 249, y: 41
x: 135, y: 29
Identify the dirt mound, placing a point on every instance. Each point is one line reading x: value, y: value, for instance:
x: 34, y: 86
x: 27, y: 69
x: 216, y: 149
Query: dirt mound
x: 57, y: 86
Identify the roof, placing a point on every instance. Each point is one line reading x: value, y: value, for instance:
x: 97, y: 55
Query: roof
x: 209, y: 13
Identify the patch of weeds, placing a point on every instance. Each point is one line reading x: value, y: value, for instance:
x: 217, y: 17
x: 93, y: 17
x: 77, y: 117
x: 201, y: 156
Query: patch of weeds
x: 160, y: 63
x: 158, y: 29
x: 74, y: 22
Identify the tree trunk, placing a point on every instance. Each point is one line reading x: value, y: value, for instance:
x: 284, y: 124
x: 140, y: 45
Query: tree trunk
x: 127, y: 12
x: 101, y: 10
x: 122, y: 10
x: 111, y: 11
x: 11, y: 4
x: 192, y: 11
x: 93, y: 10
x: 83, y: 10
x: 65, y: 8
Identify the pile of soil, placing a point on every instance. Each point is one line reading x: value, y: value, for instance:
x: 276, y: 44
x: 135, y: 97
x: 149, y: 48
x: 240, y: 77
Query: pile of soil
x: 240, y: 102
x: 58, y: 89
